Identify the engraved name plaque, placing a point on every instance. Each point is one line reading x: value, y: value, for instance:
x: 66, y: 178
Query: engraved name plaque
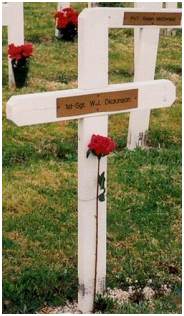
x: 152, y: 18
x: 97, y: 102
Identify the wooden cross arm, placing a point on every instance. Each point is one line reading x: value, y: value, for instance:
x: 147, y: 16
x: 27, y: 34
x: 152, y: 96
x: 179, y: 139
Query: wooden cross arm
x: 134, y: 17
x: 47, y: 107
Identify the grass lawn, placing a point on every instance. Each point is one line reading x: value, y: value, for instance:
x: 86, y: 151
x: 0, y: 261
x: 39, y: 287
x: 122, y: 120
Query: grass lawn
x: 40, y: 185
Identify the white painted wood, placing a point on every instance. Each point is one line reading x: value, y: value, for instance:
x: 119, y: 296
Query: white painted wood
x: 41, y: 108
x: 148, y: 34
x: 171, y: 5
x: 115, y: 16
x: 145, y: 44
x: 91, y: 75
x: 37, y: 108
x: 114, y: 19
x: 60, y: 6
x: 13, y: 17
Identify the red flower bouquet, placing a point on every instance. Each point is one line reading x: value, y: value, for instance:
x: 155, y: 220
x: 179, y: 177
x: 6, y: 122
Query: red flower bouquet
x: 19, y: 56
x: 66, y: 23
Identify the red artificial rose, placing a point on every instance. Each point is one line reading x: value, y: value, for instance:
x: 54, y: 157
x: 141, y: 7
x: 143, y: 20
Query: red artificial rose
x: 18, y: 52
x: 101, y: 146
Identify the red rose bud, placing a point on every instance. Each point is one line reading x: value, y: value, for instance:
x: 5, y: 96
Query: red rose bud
x: 101, y: 146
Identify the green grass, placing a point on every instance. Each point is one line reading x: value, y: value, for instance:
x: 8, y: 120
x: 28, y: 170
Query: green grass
x: 40, y: 184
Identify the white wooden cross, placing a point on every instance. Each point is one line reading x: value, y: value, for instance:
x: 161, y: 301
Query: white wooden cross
x: 146, y: 42
x: 13, y: 17
x: 91, y: 104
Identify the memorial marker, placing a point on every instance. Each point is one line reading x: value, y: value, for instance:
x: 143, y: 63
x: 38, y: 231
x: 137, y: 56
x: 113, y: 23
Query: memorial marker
x: 145, y: 44
x: 37, y: 108
x: 93, y: 86
x: 146, y: 40
x: 69, y: 104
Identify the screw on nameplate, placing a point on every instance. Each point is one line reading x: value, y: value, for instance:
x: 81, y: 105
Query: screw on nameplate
x: 97, y: 102
x: 152, y: 18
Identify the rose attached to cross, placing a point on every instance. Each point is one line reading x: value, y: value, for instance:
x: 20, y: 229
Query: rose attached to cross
x: 99, y: 146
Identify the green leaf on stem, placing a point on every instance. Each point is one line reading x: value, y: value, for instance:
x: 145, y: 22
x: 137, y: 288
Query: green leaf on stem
x: 88, y: 152
x: 101, y: 197
x: 101, y: 181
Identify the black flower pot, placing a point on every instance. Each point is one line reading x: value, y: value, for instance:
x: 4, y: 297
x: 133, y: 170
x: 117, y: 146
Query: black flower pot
x: 20, y: 71
x: 68, y: 33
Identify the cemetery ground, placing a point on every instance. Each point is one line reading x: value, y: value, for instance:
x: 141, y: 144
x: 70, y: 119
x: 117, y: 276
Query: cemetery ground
x: 40, y: 186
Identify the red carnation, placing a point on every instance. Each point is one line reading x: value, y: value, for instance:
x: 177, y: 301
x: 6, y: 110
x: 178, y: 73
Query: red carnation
x: 74, y: 19
x: 27, y: 50
x: 19, y: 52
x: 65, y: 17
x: 101, y: 146
x: 14, y: 52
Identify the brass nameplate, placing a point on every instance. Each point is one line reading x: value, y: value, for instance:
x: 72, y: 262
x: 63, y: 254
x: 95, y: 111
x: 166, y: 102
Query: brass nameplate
x: 97, y: 102
x: 152, y: 18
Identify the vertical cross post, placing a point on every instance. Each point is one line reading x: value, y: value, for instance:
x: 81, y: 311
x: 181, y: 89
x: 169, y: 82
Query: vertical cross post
x: 92, y: 73
x: 145, y: 55
x: 14, y: 18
